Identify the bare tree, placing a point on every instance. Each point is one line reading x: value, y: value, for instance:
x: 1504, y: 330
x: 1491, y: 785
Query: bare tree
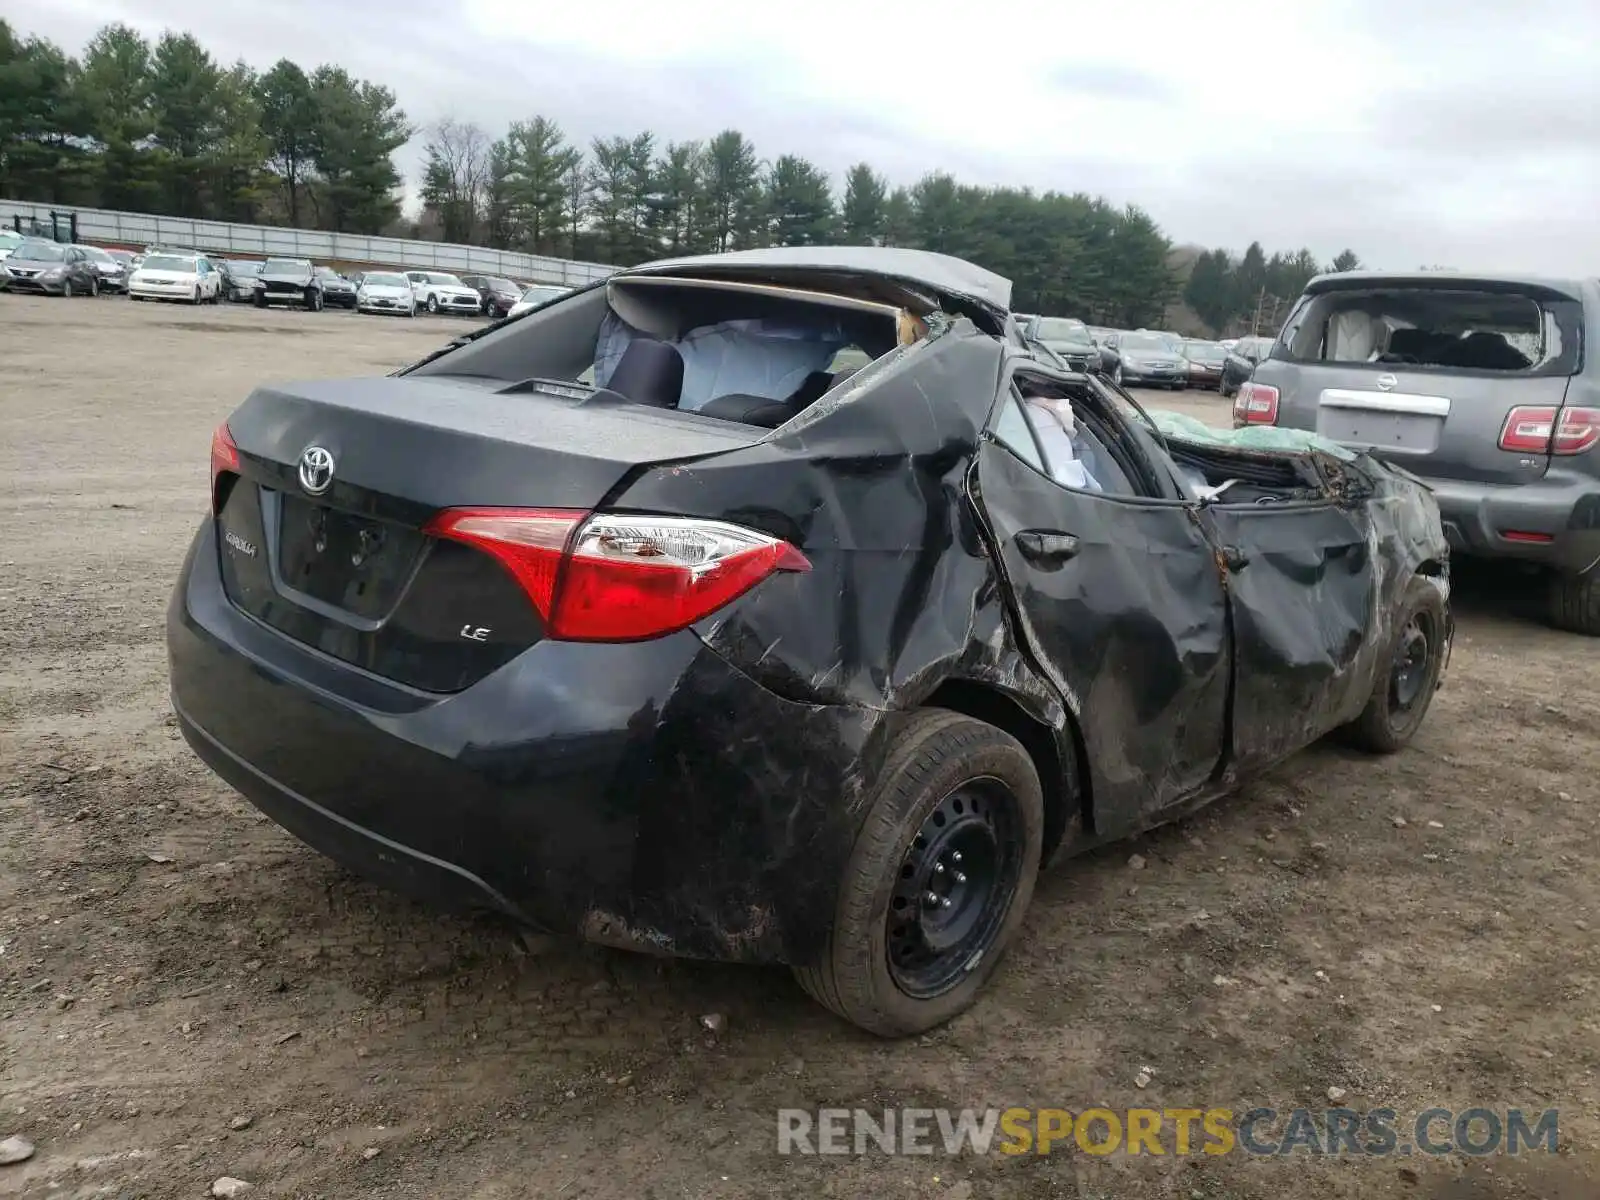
x: 456, y: 177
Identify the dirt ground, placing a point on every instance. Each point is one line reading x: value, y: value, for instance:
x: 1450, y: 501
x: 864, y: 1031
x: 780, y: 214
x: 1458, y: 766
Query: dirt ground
x: 172, y: 965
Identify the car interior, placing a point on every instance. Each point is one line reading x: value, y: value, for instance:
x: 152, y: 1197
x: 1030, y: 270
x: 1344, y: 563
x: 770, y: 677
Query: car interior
x: 1478, y: 331
x: 1122, y: 456
x: 753, y: 353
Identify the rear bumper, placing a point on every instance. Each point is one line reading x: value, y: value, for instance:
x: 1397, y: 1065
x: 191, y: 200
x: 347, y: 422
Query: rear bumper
x: 1554, y: 522
x: 647, y: 796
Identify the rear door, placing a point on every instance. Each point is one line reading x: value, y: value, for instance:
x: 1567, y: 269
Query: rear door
x: 1303, y: 595
x: 1428, y: 376
x: 1120, y: 601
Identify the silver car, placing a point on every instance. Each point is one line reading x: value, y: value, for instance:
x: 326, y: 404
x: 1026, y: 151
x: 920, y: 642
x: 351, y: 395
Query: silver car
x: 1486, y: 386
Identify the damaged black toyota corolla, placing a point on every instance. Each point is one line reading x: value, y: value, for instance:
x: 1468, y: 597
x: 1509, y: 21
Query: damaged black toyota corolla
x: 648, y: 618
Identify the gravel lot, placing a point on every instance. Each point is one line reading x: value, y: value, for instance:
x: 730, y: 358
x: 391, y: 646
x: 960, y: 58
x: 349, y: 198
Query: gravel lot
x: 172, y: 966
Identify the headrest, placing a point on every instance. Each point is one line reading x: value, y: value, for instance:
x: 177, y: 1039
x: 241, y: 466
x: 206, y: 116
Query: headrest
x: 649, y: 372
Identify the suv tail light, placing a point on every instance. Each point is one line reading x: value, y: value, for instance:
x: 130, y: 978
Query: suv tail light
x: 1256, y: 404
x: 224, y: 457
x: 616, y: 578
x: 1532, y: 429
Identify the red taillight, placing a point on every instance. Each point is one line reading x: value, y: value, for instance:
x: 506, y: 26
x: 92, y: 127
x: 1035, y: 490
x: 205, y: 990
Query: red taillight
x: 615, y: 578
x: 1532, y: 429
x: 224, y: 456
x: 1256, y: 404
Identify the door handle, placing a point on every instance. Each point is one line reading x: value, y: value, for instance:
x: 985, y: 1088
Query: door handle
x: 1046, y: 545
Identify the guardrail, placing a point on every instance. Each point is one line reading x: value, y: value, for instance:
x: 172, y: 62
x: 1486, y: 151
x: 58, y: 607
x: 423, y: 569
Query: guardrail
x: 261, y: 241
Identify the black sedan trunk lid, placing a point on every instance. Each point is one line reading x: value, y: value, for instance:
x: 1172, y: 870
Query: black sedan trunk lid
x: 347, y: 567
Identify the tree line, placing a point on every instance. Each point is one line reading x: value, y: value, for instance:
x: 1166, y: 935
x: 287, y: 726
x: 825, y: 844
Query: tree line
x: 164, y: 127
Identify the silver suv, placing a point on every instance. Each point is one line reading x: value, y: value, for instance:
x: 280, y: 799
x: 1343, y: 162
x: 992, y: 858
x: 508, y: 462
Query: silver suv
x: 1481, y: 385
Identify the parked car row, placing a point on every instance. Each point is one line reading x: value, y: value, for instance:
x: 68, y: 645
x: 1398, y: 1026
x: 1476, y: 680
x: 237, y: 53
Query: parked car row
x: 1143, y: 357
x: 43, y: 266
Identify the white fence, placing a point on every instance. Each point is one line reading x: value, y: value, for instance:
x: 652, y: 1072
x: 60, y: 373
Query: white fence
x: 224, y: 238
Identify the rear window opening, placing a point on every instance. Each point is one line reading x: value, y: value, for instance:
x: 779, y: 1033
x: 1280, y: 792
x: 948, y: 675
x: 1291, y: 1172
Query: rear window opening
x: 755, y: 353
x: 1501, y: 332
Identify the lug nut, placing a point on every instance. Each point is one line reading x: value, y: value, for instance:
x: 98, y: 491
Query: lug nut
x: 955, y: 856
x: 945, y: 903
x: 938, y: 868
x: 959, y: 877
x: 932, y: 898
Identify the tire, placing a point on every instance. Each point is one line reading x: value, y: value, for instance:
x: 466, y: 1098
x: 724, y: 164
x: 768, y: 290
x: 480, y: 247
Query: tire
x: 1116, y: 374
x: 939, y: 764
x: 1387, y: 724
x: 94, y: 287
x: 261, y: 300
x: 314, y: 301
x: 66, y: 289
x: 1575, y: 602
x: 433, y: 306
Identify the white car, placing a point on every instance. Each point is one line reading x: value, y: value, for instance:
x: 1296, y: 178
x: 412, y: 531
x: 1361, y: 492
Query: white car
x: 537, y: 294
x: 440, y: 291
x: 188, y: 277
x: 386, y: 292
x: 10, y: 239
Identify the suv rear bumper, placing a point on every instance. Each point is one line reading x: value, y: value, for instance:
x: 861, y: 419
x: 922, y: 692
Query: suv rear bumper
x: 1553, y: 523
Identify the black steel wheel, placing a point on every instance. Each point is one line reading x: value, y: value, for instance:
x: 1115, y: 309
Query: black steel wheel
x: 955, y: 885
x: 1408, y: 675
x: 939, y: 877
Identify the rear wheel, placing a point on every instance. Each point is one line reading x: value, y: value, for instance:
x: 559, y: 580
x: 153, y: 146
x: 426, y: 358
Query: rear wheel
x: 1116, y: 374
x: 1575, y: 602
x: 1409, y: 677
x: 433, y: 305
x: 939, y: 879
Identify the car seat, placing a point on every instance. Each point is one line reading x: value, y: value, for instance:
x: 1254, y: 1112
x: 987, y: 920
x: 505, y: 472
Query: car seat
x: 649, y: 372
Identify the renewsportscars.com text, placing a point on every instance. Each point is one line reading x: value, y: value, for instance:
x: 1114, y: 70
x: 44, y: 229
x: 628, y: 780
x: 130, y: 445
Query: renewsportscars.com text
x: 1262, y: 1131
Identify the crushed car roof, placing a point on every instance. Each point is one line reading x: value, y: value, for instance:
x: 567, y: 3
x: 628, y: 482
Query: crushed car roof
x: 938, y: 272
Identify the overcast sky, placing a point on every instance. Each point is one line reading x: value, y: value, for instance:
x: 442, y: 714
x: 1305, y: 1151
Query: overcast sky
x: 1418, y: 132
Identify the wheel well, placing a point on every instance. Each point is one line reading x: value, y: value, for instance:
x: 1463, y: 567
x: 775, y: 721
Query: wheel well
x: 984, y: 703
x: 1431, y: 567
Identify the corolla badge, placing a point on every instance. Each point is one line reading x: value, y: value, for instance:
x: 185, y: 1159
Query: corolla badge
x: 316, y: 470
x: 1386, y: 383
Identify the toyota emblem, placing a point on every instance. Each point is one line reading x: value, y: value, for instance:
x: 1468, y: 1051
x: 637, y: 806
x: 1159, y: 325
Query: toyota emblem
x: 316, y: 470
x: 1386, y: 383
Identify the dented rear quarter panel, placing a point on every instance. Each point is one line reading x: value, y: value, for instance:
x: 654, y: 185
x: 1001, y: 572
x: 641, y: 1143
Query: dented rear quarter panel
x: 876, y: 483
